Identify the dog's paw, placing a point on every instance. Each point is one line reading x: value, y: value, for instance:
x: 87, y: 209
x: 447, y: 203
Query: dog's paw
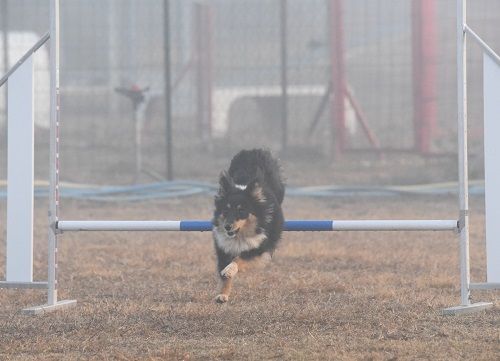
x: 230, y: 270
x: 222, y: 298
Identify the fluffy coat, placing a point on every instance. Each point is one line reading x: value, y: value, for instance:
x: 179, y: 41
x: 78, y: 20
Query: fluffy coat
x: 248, y: 219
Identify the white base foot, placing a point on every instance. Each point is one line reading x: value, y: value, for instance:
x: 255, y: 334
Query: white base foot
x: 473, y: 307
x: 38, y: 310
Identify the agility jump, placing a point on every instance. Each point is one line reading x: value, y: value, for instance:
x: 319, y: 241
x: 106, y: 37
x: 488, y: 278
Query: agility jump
x: 19, y: 270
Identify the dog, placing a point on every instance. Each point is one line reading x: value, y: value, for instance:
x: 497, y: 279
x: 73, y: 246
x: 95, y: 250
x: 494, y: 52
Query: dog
x: 248, y: 219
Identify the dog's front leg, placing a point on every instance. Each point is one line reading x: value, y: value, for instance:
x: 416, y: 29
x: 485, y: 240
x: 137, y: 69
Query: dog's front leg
x: 231, y: 269
x: 240, y: 265
x: 227, y: 275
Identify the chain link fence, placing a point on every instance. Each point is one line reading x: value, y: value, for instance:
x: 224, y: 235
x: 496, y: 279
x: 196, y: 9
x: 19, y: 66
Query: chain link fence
x: 230, y: 61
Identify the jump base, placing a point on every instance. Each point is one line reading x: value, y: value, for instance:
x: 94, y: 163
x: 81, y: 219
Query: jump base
x: 20, y: 285
x: 39, y: 310
x: 473, y: 307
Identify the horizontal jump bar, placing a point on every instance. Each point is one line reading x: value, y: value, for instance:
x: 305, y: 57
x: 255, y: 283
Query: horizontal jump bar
x: 9, y: 284
x: 485, y: 286
x: 295, y: 225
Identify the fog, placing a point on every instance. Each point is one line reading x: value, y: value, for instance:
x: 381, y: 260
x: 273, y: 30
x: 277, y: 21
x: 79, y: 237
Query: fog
x: 230, y: 64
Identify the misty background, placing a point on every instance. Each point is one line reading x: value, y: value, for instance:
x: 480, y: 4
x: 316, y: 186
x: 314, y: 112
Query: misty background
x: 226, y: 84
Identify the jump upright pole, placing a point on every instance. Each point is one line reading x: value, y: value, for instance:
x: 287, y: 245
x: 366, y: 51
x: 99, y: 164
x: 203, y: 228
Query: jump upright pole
x: 54, y: 150
x: 463, y: 173
x: 52, y: 302
x: 463, y: 168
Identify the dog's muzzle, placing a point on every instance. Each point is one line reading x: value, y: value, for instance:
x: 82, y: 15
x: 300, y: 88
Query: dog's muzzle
x: 229, y: 229
x: 231, y: 232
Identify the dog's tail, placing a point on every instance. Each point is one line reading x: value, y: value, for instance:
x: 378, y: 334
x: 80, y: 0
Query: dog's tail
x: 261, y: 165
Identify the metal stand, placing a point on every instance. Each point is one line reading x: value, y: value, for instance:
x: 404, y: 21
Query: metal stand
x: 39, y: 310
x: 466, y: 305
x: 470, y: 308
x: 52, y: 302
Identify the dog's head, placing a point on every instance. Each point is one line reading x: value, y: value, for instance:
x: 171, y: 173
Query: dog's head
x: 237, y: 205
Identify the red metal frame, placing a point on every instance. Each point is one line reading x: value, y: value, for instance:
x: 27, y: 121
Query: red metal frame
x: 338, y: 76
x: 424, y: 52
x: 339, y: 82
x: 424, y: 73
x: 361, y: 118
x: 203, y: 59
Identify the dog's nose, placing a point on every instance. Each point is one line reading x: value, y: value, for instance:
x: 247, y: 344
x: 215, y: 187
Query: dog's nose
x: 228, y: 227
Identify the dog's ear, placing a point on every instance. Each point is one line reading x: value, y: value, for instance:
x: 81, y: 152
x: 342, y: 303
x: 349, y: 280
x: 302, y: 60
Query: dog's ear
x: 256, y: 191
x: 225, y: 184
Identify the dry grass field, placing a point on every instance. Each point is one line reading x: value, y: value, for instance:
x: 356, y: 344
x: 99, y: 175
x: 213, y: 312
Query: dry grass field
x: 338, y: 296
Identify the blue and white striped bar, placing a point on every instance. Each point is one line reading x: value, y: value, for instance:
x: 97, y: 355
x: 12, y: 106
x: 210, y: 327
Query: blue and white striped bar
x: 294, y: 225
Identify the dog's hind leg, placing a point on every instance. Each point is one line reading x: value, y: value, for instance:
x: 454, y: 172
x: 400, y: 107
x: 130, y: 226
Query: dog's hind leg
x: 257, y: 262
x: 223, y: 296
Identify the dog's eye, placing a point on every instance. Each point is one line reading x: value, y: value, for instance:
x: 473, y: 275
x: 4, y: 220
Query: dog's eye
x: 242, y: 213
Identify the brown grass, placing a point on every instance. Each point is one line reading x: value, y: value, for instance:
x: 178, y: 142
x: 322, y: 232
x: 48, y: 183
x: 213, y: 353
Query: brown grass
x: 342, y: 296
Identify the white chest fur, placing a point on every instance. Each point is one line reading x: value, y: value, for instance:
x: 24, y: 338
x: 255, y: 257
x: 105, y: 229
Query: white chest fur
x: 237, y: 244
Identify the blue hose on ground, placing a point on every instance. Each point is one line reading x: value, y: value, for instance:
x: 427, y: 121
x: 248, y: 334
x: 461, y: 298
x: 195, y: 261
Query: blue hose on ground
x: 175, y: 189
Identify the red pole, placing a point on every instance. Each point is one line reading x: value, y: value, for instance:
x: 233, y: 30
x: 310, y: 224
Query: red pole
x: 424, y: 73
x: 209, y: 69
x: 203, y: 59
x: 337, y: 108
x: 198, y: 54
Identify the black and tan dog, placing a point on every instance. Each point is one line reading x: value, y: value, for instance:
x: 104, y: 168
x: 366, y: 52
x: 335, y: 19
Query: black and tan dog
x: 248, y: 219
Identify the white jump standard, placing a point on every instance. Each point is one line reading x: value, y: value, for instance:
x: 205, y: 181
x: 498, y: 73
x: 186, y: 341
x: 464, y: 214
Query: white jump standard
x: 20, y: 182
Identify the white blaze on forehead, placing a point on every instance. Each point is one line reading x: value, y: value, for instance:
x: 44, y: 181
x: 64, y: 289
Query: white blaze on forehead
x: 241, y: 186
